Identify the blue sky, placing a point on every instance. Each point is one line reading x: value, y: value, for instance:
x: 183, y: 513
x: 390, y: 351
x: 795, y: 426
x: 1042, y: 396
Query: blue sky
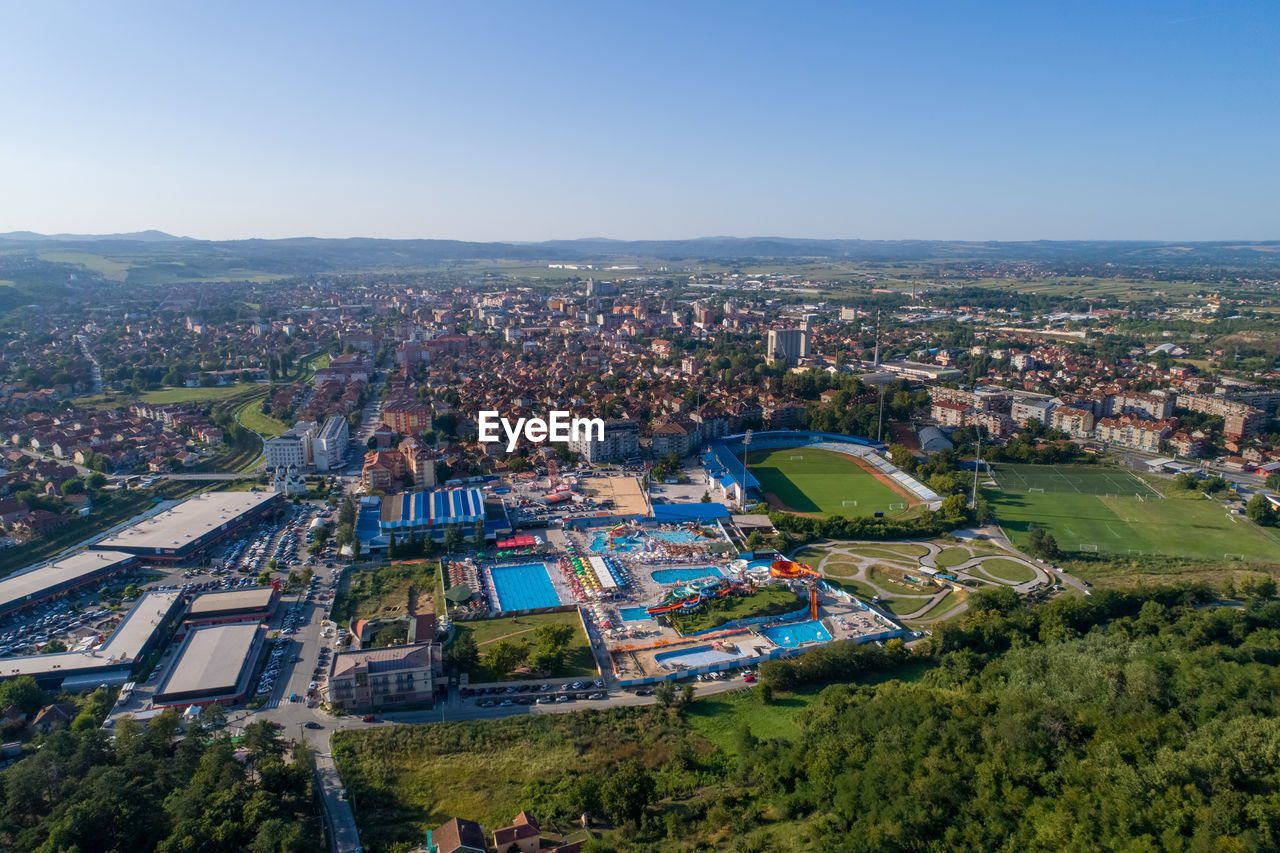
x: 528, y: 121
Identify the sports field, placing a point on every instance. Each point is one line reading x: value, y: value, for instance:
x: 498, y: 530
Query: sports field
x: 819, y: 482
x: 1110, y: 510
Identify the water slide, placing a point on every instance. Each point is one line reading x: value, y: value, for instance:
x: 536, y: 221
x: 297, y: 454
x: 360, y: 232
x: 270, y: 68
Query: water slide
x: 792, y: 570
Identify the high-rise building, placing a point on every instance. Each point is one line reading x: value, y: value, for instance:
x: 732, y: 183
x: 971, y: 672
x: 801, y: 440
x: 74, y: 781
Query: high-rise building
x: 621, y: 441
x: 329, y: 447
x: 292, y: 448
x: 788, y: 345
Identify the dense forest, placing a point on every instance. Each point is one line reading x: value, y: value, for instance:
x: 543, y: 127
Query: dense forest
x: 1137, y: 721
x: 154, y: 789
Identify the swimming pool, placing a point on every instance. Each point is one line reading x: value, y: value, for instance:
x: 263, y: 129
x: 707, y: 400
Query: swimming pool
x: 685, y: 575
x: 794, y: 634
x: 633, y: 614
x: 600, y: 544
x: 695, y: 656
x: 523, y: 586
x: 680, y: 537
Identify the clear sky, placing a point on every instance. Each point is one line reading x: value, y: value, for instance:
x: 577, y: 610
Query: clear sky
x: 538, y: 120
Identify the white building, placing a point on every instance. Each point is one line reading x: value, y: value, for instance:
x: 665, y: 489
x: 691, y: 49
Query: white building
x: 294, y: 447
x: 621, y: 441
x: 329, y: 447
x: 788, y: 345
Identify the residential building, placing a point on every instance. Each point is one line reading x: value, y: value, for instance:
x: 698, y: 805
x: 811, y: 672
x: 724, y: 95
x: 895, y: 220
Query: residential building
x: 389, y: 678
x: 621, y: 441
x: 292, y: 448
x: 459, y: 836
x: 524, y: 834
x: 1075, y: 422
x: 329, y: 447
x: 407, y: 416
x: 1135, y: 432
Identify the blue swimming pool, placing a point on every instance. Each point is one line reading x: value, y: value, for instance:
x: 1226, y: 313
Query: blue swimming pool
x: 633, y: 614
x: 523, y: 586
x: 600, y: 544
x: 681, y: 537
x: 794, y: 634
x: 685, y: 575
x: 695, y: 656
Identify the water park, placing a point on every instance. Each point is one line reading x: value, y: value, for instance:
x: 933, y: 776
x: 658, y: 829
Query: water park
x: 714, y: 619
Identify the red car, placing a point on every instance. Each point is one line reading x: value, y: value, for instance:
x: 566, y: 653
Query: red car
x: 368, y: 718
x: 750, y: 678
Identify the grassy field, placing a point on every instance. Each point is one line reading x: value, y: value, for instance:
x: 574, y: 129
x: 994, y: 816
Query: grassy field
x: 951, y: 557
x: 944, y: 608
x: 579, y: 662
x: 818, y: 482
x: 769, y: 601
x: 1007, y: 570
x: 169, y: 395
x: 251, y: 416
x: 113, y: 270
x: 387, y: 591
x: 1112, y: 511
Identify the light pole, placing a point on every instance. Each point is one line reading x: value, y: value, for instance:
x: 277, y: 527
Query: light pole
x: 746, y: 442
x: 977, y: 463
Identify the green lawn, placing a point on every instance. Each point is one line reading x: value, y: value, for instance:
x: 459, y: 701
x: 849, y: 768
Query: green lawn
x: 902, y: 605
x: 819, y: 482
x: 951, y: 557
x: 894, y: 551
x: 1008, y: 571
x: 858, y: 588
x: 842, y: 568
x: 1084, y: 517
x: 170, y: 395
x: 579, y: 662
x: 251, y: 416
x: 769, y: 601
x: 944, y: 608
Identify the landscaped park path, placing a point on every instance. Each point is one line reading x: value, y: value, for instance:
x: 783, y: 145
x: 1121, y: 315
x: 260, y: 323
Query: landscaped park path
x: 890, y: 572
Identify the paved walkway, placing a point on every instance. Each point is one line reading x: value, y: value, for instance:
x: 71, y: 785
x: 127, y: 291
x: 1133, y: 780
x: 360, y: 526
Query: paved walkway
x: 863, y: 558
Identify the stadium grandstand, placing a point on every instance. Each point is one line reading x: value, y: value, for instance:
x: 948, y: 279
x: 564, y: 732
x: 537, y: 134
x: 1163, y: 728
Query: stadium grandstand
x: 722, y: 459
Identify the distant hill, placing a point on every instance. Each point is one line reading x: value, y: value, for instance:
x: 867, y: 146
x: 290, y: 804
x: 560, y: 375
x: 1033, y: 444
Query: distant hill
x: 157, y: 257
x: 150, y: 236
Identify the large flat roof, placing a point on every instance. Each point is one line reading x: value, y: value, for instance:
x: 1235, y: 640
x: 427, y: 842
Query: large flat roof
x: 210, y: 603
x: 187, y: 522
x: 31, y: 582
x: 124, y: 644
x: 210, y: 661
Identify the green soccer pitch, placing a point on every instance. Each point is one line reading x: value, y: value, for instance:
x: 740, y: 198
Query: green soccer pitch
x: 820, y: 482
x: 1109, y: 510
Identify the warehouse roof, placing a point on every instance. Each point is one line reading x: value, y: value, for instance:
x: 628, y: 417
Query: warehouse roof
x: 210, y: 661
x: 31, y: 582
x: 189, y: 521
x: 211, y: 603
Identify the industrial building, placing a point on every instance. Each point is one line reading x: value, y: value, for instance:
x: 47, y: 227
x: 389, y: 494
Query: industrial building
x: 433, y: 513
x: 143, y: 630
x: 48, y: 580
x: 789, y: 346
x: 213, y: 664
x: 237, y: 605
x: 193, y: 525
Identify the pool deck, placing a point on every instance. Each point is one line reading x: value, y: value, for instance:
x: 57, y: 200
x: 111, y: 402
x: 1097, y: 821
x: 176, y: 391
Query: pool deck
x: 636, y: 657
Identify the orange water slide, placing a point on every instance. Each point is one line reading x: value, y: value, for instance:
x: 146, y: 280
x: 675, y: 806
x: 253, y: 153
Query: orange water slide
x: 791, y: 570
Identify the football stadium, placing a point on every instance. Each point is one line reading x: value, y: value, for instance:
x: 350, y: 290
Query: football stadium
x: 814, y: 473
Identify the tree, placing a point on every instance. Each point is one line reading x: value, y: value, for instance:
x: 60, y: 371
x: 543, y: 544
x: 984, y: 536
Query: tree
x: 902, y: 458
x: 96, y: 481
x: 1042, y: 544
x: 453, y: 540
x: 665, y: 693
x: 74, y: 486
x: 213, y: 715
x: 264, y: 579
x: 626, y: 791
x: 1260, y: 510
x: 462, y: 654
x: 504, y: 656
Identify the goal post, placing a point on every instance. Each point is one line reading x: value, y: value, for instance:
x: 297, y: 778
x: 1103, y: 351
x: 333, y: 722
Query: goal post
x: 1084, y: 546
x: 1031, y: 489
x: 848, y: 503
x: 898, y: 506
x: 797, y: 456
